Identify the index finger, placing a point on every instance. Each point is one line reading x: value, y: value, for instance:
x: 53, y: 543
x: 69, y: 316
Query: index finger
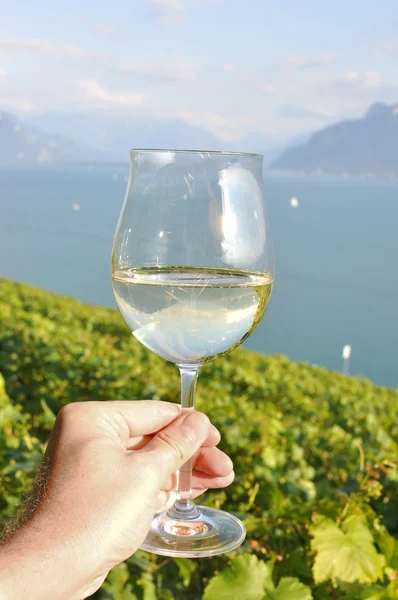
x: 126, y: 418
x: 140, y: 441
x: 142, y: 417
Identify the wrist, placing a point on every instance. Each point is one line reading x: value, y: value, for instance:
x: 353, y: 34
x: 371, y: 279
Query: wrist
x: 40, y: 563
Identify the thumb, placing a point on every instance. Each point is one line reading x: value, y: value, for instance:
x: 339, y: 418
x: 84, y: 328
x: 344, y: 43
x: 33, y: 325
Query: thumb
x: 177, y: 443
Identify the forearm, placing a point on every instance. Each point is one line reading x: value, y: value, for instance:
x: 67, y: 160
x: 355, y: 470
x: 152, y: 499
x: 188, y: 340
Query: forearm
x: 23, y: 574
x: 36, y: 563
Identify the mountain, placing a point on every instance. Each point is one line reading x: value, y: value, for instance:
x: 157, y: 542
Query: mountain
x: 22, y: 143
x: 98, y: 136
x: 364, y: 146
x: 115, y: 135
x: 270, y: 154
x: 257, y: 142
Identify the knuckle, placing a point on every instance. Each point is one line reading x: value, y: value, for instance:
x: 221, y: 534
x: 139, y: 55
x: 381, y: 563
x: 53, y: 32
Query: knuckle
x: 72, y: 415
x: 68, y: 411
x: 75, y: 410
x: 175, y: 444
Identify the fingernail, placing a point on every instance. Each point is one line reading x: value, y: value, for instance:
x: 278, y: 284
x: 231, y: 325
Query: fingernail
x: 196, y: 426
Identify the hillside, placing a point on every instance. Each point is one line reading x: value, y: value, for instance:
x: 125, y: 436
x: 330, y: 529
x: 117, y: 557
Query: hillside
x: 116, y: 134
x: 98, y: 136
x: 365, y: 146
x: 315, y: 454
x: 20, y: 143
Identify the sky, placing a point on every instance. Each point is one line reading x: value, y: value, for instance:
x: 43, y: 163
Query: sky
x: 234, y: 67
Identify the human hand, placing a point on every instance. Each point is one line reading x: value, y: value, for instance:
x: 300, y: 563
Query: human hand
x: 109, y: 467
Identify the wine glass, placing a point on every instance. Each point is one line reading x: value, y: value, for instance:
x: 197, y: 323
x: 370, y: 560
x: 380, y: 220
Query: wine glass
x: 192, y: 275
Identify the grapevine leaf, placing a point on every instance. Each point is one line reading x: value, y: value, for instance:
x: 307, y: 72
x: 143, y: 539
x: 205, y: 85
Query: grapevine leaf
x: 245, y: 579
x: 289, y: 588
x: 346, y: 554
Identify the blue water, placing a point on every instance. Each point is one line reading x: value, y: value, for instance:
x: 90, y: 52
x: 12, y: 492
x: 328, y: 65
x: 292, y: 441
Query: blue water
x: 336, y: 257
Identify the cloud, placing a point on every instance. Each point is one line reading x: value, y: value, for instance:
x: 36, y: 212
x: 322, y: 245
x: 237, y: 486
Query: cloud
x: 172, y: 5
x: 15, y: 103
x: 171, y: 69
x: 269, y: 88
x: 309, y: 111
x: 227, y: 128
x: 169, y: 13
x: 105, y: 98
x: 390, y: 47
x: 176, y: 69
x: 369, y: 80
x: 42, y: 46
x: 3, y: 74
x: 297, y: 63
x: 104, y: 29
x: 316, y: 98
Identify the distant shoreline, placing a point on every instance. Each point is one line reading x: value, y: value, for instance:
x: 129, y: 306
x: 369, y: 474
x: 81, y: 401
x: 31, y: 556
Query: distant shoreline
x: 319, y: 173
x: 345, y: 175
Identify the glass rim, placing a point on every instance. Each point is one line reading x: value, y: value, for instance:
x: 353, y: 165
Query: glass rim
x: 188, y: 151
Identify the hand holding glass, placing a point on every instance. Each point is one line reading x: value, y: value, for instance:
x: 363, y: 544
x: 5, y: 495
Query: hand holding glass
x: 192, y: 276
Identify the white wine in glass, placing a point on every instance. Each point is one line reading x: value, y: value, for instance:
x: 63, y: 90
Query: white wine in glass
x: 192, y: 276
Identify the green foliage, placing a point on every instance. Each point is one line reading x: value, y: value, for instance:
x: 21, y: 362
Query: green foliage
x: 245, y: 579
x: 20, y: 452
x: 290, y: 588
x: 315, y: 454
x: 345, y: 553
x: 186, y: 568
x: 117, y: 586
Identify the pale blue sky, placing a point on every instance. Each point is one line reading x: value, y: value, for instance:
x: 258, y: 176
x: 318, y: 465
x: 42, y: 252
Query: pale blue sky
x: 281, y: 68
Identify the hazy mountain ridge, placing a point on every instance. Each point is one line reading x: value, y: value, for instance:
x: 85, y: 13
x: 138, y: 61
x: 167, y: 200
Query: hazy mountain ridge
x: 115, y: 135
x: 94, y: 136
x: 367, y: 146
x: 22, y: 143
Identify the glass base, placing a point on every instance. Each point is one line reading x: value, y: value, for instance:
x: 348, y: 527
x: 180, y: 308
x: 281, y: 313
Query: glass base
x: 201, y: 532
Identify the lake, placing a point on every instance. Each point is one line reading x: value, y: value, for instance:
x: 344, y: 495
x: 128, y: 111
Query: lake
x: 336, y: 257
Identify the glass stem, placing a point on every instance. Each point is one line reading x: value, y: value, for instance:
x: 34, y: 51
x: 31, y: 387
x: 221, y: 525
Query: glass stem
x: 184, y: 506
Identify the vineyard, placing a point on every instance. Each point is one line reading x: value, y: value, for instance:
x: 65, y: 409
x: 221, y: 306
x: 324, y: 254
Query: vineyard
x: 315, y: 454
